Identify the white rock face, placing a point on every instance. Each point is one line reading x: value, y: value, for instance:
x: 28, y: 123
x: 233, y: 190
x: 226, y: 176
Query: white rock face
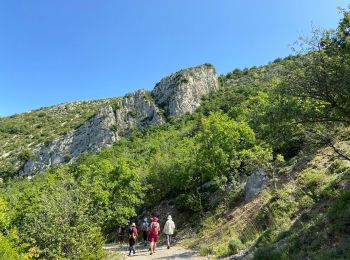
x: 137, y: 111
x: 182, y: 91
x: 90, y: 137
x: 255, y: 183
x: 177, y: 94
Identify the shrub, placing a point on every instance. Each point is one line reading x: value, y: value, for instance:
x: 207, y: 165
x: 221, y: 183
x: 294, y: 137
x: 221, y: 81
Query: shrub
x: 235, y: 196
x: 114, y: 127
x: 234, y: 245
x: 306, y: 202
x: 205, y: 251
x: 312, y: 182
x: 188, y: 202
x: 25, y: 155
x: 338, y: 166
x: 184, y: 80
x: 132, y: 113
x: 271, y: 254
x: 8, y: 249
x: 67, y: 158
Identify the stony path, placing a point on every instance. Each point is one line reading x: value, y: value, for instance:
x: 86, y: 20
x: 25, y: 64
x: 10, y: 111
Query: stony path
x: 176, y: 252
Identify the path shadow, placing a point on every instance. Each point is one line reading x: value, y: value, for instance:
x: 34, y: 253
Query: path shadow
x: 184, y: 255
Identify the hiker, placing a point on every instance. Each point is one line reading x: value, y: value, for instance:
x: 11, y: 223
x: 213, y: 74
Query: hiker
x: 121, y: 232
x: 168, y: 230
x: 119, y: 235
x: 132, y: 237
x: 144, y: 229
x: 153, y: 234
x: 149, y: 232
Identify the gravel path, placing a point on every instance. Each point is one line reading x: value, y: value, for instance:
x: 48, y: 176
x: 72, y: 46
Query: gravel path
x: 176, y: 252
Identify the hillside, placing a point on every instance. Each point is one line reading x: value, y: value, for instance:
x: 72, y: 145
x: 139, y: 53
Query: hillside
x: 21, y: 134
x: 305, y: 216
x: 57, y: 135
x: 253, y: 164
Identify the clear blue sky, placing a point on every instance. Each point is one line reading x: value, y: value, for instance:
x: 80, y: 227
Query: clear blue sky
x: 53, y: 51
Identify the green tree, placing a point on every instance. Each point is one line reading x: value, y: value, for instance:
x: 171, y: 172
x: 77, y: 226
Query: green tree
x: 228, y: 148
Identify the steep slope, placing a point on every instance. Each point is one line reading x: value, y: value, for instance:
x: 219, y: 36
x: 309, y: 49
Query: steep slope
x: 305, y: 217
x: 89, y: 137
x: 161, y: 170
x: 175, y: 95
x: 22, y: 134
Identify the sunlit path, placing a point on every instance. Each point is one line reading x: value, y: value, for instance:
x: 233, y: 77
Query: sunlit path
x: 176, y: 252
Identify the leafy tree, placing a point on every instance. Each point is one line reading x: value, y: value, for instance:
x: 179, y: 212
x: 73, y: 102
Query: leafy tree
x: 60, y: 226
x: 228, y: 148
x: 314, y: 93
x: 321, y: 78
x: 10, y: 246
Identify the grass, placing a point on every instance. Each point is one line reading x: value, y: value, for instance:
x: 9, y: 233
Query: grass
x: 307, y: 216
x: 21, y: 134
x: 113, y: 255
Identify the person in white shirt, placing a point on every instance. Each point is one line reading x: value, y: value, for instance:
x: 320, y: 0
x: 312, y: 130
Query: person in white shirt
x: 168, y: 230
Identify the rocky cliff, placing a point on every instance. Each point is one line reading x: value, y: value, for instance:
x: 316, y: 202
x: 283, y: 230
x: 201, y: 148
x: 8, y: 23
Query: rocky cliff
x: 137, y: 111
x: 181, y: 92
x: 174, y: 95
x: 89, y: 137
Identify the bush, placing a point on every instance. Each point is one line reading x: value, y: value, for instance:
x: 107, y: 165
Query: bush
x: 132, y: 113
x: 114, y: 128
x: 67, y: 158
x: 306, y: 202
x: 25, y: 155
x: 312, y: 182
x: 184, y: 80
x: 336, y: 167
x: 234, y: 245
x: 235, y: 196
x: 8, y: 249
x: 205, y: 251
x: 188, y: 202
x: 268, y: 253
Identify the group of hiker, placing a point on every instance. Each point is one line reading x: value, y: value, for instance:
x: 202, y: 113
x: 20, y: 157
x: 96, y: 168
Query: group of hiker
x: 150, y: 233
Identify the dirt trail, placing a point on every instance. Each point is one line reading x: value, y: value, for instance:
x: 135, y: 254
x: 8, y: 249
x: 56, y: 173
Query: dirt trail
x: 176, y: 252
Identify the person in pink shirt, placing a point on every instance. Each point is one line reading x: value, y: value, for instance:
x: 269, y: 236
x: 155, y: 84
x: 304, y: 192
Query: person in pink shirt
x: 153, y: 231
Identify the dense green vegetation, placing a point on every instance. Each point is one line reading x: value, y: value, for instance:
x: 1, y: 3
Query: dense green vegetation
x: 64, y: 212
x: 292, y: 109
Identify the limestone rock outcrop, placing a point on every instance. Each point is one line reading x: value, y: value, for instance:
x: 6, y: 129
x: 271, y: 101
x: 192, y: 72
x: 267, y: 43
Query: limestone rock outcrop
x: 255, y: 183
x: 137, y: 110
x: 174, y: 95
x: 90, y: 137
x: 181, y: 92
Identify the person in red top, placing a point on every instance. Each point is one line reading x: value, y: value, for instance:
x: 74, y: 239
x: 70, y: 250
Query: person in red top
x: 153, y: 234
x: 133, y: 234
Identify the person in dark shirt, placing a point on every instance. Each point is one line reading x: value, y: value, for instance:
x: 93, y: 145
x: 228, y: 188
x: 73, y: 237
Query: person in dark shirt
x: 133, y: 234
x: 144, y: 230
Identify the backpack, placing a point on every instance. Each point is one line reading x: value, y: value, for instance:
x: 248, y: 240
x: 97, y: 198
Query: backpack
x: 145, y: 226
x: 131, y: 233
x: 154, y: 227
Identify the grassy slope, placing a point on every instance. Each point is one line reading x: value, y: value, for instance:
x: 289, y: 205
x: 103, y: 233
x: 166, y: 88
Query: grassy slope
x: 20, y: 134
x: 307, y: 216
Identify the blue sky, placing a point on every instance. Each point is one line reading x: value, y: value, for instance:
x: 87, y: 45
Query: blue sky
x: 54, y: 51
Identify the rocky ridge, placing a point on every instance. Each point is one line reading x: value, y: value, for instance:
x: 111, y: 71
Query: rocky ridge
x: 174, y: 95
x: 89, y: 137
x: 181, y: 92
